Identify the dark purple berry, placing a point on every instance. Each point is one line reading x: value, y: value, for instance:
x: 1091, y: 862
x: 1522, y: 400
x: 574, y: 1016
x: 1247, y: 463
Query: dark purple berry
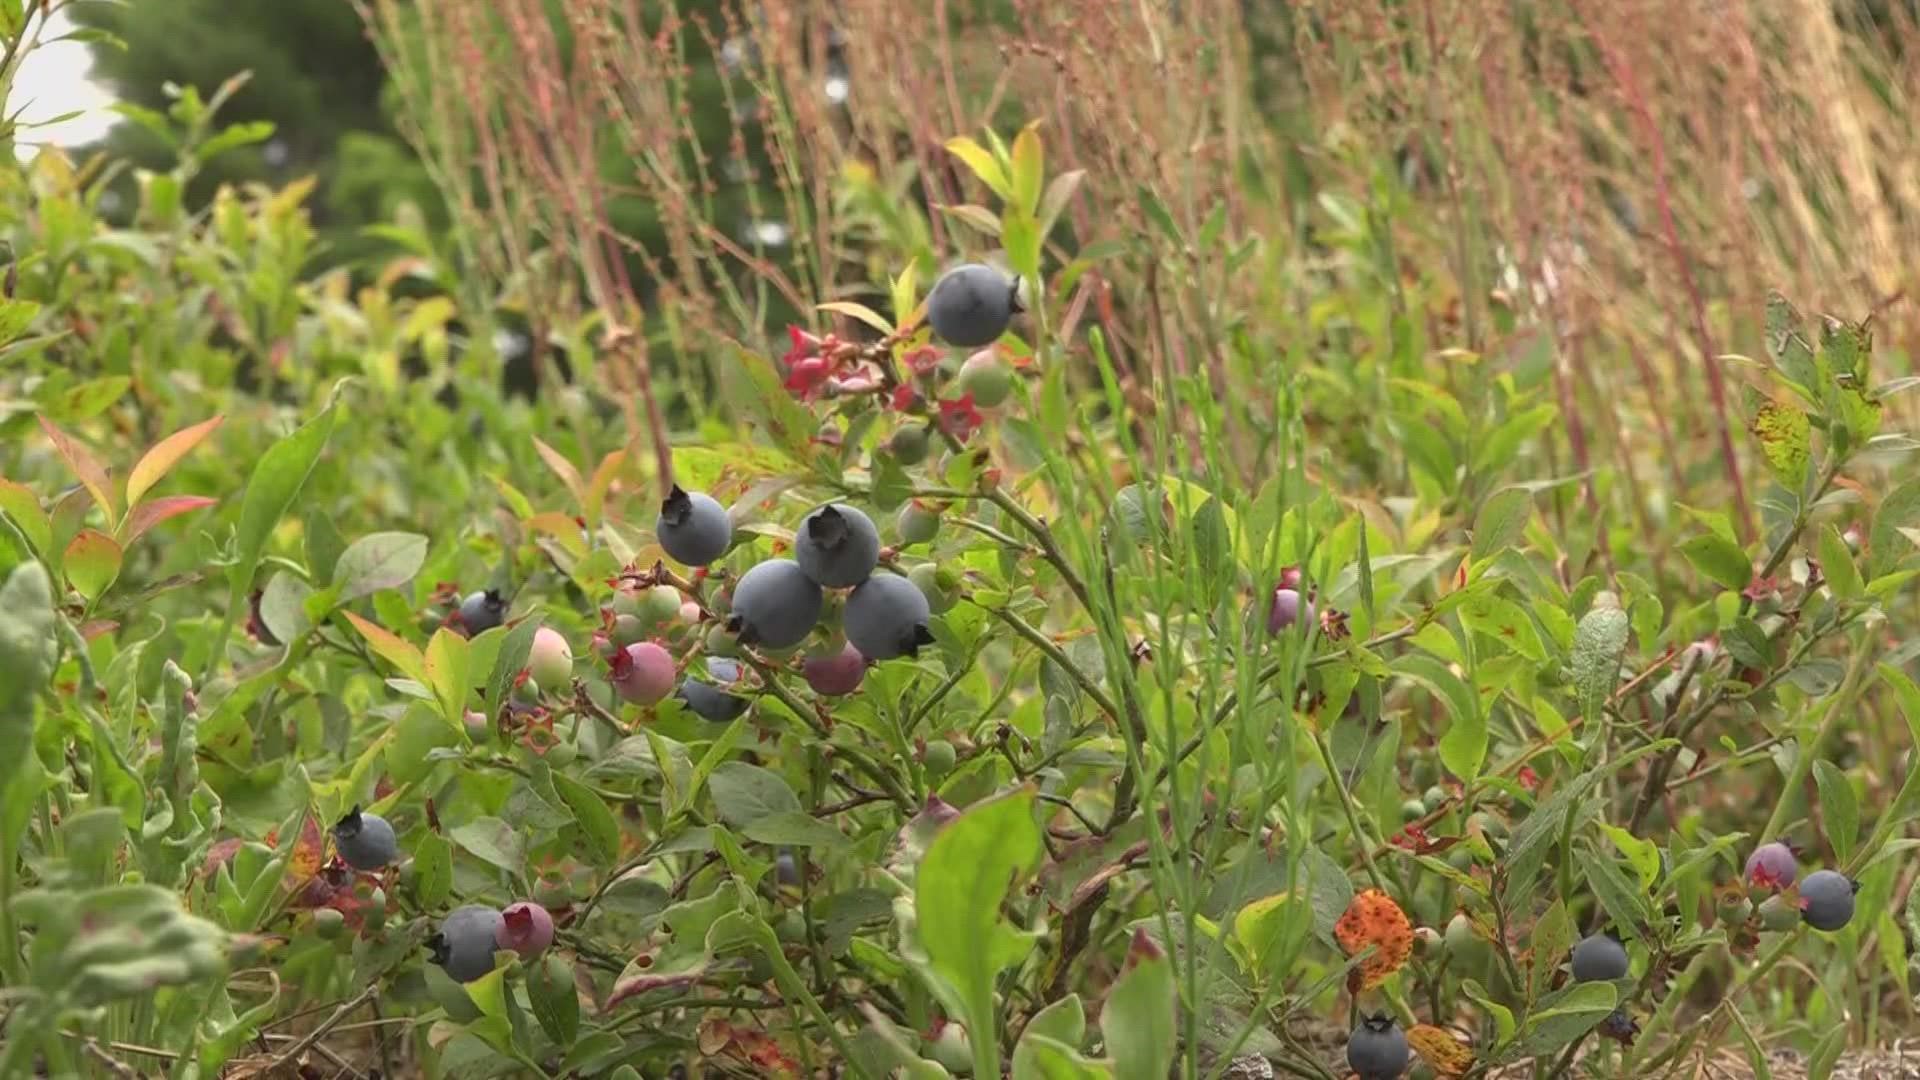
x: 971, y: 305
x: 465, y: 942
x: 364, y: 840
x: 1826, y: 900
x: 708, y: 701
x: 1600, y: 958
x: 1377, y: 1049
x: 482, y: 611
x: 887, y: 617
x: 837, y: 675
x: 692, y: 527
x: 837, y: 546
x: 775, y: 605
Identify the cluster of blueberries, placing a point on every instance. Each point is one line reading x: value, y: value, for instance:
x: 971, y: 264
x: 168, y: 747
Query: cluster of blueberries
x: 1377, y: 1049
x: 467, y: 939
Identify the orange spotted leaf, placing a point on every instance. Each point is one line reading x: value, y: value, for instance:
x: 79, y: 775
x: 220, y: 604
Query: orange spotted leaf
x: 1439, y: 1049
x: 1373, y: 919
x: 308, y: 852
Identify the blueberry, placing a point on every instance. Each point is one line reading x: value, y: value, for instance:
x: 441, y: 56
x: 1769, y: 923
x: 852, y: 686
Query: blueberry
x: 365, y: 840
x: 1772, y: 866
x: 837, y: 675
x: 643, y: 673
x: 887, y: 617
x: 971, y: 305
x: 482, y: 611
x: 525, y: 928
x: 692, y: 527
x: 917, y: 523
x: 988, y: 377
x: 1599, y: 958
x: 550, y: 660
x: 775, y: 605
x: 1620, y: 1027
x: 707, y: 701
x: 939, y: 586
x: 464, y: 944
x: 1377, y: 1049
x: 1826, y: 900
x: 786, y: 868
x: 1286, y: 610
x: 837, y: 546
x: 909, y: 444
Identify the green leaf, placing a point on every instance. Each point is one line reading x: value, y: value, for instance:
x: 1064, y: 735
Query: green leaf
x: 1137, y: 1020
x: 1501, y: 521
x: 494, y: 841
x: 1785, y: 439
x: 1553, y: 935
x: 446, y: 670
x: 1626, y: 904
x: 1029, y: 171
x: 384, y: 560
x: 959, y: 888
x: 793, y: 827
x: 432, y: 871
x: 509, y: 662
x: 1642, y: 855
x: 92, y: 562
x: 1505, y: 622
x: 22, y: 507
x: 1561, y: 1018
x: 744, y: 794
x: 1271, y: 930
x: 1720, y: 559
x: 556, y: 1004
x: 394, y: 649
x: 283, y: 606
x: 1836, y: 563
x: 1787, y: 343
x: 1598, y: 640
x: 598, y: 827
x: 1886, y: 543
x: 1839, y: 807
x: 983, y: 163
x: 277, y: 479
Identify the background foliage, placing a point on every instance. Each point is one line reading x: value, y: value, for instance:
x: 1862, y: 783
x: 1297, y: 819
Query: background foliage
x: 1463, y: 314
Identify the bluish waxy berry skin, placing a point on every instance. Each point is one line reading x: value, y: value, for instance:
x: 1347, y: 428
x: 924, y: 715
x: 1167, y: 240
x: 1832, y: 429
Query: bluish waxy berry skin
x: 775, y: 605
x: 1826, y: 900
x: 1377, y: 1049
x: 1772, y: 866
x: 364, y: 840
x: 465, y: 942
x: 786, y: 868
x: 482, y: 611
x: 887, y: 617
x: 693, y: 527
x: 1599, y: 958
x: 708, y: 701
x: 1287, y: 609
x: 837, y: 546
x: 971, y: 305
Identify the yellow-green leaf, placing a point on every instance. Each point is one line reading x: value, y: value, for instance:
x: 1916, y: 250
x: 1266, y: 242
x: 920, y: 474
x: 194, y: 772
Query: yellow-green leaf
x: 858, y: 311
x: 1029, y: 169
x: 563, y: 469
x: 1784, y: 434
x: 982, y: 162
x: 22, y: 506
x: 979, y: 217
x: 394, y: 649
x: 1836, y: 563
x: 446, y: 671
x: 92, y: 562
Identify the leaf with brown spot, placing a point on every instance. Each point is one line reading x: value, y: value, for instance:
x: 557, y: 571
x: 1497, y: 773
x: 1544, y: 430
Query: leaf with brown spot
x: 1446, y: 1055
x: 308, y: 852
x: 1373, y: 919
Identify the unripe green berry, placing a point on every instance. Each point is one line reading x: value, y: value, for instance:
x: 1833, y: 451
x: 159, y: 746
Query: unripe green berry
x: 939, y: 757
x: 908, y: 444
x: 917, y: 523
x: 988, y: 377
x: 939, y: 585
x: 328, y: 923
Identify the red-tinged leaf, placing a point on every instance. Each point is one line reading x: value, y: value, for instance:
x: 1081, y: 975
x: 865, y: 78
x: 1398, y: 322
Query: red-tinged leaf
x: 396, y: 650
x: 164, y: 456
x: 98, y: 627
x: 92, y: 562
x: 562, y: 528
x: 22, y: 506
x: 563, y: 469
x: 1445, y: 1054
x: 92, y: 474
x: 147, y: 515
x: 309, y: 852
x: 220, y: 854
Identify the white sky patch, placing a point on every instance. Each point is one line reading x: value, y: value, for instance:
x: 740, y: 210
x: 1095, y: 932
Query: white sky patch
x: 53, y: 81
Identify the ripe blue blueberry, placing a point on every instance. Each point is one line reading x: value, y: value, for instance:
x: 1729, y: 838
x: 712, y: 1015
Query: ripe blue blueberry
x: 465, y: 942
x: 837, y: 546
x: 708, y: 701
x: 364, y: 840
x: 1377, y: 1049
x: 482, y: 611
x: 775, y: 605
x: 1826, y: 900
x: 1772, y: 866
x: 1599, y: 958
x: 887, y: 617
x: 786, y: 868
x: 693, y: 528
x: 971, y: 305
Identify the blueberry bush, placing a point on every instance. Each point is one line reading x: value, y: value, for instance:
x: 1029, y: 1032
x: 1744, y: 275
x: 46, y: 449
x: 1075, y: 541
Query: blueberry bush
x: 1051, y: 658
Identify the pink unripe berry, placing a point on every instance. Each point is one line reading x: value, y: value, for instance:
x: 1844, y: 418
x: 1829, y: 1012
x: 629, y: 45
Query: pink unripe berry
x: 1287, y: 610
x: 550, y: 660
x: 1772, y: 866
x: 836, y: 675
x: 526, y: 928
x: 644, y: 673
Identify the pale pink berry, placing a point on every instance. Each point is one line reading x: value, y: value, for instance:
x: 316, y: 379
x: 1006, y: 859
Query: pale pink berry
x: 526, y: 928
x: 644, y: 673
